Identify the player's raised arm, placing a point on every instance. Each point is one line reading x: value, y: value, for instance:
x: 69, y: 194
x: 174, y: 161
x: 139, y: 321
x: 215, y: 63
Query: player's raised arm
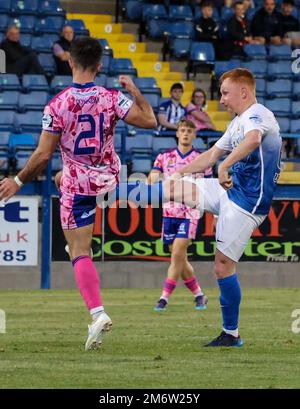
x: 141, y: 113
x: 36, y: 163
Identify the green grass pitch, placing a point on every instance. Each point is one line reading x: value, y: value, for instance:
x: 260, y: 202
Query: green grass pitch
x: 43, y: 346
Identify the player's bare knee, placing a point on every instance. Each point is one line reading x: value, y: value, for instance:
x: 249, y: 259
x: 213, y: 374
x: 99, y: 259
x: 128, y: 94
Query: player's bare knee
x: 221, y: 268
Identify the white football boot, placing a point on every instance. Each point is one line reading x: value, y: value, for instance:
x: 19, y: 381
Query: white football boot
x: 95, y: 330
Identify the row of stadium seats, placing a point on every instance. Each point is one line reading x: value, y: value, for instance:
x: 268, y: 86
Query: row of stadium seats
x: 35, y: 7
x: 136, y: 10
x: 34, y: 25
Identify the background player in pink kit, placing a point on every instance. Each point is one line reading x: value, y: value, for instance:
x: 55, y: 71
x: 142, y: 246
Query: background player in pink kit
x: 179, y: 221
x: 81, y: 120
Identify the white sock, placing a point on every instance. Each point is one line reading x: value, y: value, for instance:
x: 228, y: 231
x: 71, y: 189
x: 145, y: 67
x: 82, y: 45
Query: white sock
x: 234, y: 332
x: 95, y: 312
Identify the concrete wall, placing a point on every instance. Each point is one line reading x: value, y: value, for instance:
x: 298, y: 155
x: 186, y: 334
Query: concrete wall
x: 131, y: 274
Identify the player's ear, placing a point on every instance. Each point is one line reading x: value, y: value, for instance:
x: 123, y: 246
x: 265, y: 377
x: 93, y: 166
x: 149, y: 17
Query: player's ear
x: 99, y: 67
x: 71, y: 63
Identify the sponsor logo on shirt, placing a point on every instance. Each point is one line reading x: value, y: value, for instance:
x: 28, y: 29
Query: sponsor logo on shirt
x: 47, y: 121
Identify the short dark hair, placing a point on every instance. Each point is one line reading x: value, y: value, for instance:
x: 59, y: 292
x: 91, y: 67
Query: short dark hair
x: 237, y: 3
x: 290, y: 2
x: 177, y: 85
x: 206, y: 3
x: 86, y: 52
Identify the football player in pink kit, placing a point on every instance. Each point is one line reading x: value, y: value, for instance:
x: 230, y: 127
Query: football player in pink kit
x: 179, y: 221
x: 81, y: 120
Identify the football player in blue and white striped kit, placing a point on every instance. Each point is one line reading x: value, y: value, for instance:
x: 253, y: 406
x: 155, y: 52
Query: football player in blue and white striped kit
x: 241, y: 200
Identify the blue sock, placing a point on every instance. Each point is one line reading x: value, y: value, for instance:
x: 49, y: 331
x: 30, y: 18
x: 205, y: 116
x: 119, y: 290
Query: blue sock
x: 230, y: 299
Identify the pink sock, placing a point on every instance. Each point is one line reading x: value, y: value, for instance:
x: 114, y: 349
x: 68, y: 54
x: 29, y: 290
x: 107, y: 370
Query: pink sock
x: 169, y: 287
x: 87, y: 281
x: 193, y: 285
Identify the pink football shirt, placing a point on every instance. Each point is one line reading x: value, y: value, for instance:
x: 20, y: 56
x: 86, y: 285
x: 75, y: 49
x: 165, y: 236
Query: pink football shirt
x: 85, y: 116
x: 170, y: 162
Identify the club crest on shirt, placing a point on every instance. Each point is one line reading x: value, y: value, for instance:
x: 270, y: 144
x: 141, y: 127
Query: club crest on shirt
x: 47, y: 121
x: 256, y: 119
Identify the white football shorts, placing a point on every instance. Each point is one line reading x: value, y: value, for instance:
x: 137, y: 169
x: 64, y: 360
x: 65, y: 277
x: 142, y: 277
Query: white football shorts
x: 235, y: 225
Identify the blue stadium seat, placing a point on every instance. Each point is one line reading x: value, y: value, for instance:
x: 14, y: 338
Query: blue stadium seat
x: 122, y: 66
x: 33, y: 82
x: 280, y: 69
x: 121, y: 126
x: 4, y: 138
x: 141, y: 165
x: 259, y: 68
x: 296, y: 90
x: 156, y: 11
x: 26, y: 24
x: 280, y: 106
x: 295, y: 126
x: 9, y: 100
x: 255, y: 51
x: 284, y: 124
x: 279, y: 88
x: 162, y: 143
x: 139, y: 144
x: 134, y: 10
x: 30, y: 121
x: 78, y: 27
x: 3, y: 22
x: 42, y: 44
x: 100, y: 80
x: 180, y: 47
x: 147, y: 85
x: 181, y: 29
x: 202, y: 54
x: 280, y: 52
x: 52, y: 24
x: 180, y: 13
x: 9, y: 82
x: 7, y: 121
x: 24, y: 7
x: 35, y: 101
x: 260, y: 87
x: 1, y: 37
x: 295, y: 109
x: 5, y: 6
x: 47, y: 62
x: 21, y: 157
x: 223, y: 66
x: 25, y: 39
x: 226, y: 14
x: 106, y: 50
x: 4, y: 159
x: 105, y: 61
x: 153, y: 100
x: 21, y: 141
x: 51, y: 8
x: 157, y: 28
x: 199, y: 143
x: 118, y: 142
x: 60, y: 82
x: 250, y: 13
x: 56, y: 162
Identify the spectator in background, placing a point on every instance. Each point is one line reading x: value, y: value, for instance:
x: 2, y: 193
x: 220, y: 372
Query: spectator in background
x: 266, y: 25
x: 207, y: 28
x: 290, y: 25
x: 196, y: 111
x: 19, y: 59
x: 239, y: 30
x: 171, y: 111
x: 61, y: 51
